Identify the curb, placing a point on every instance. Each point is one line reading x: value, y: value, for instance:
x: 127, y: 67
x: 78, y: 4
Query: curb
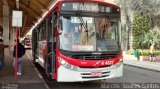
x: 142, y: 67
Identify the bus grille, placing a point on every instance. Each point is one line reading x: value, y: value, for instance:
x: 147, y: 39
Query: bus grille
x: 94, y: 66
x: 94, y: 57
x: 95, y: 77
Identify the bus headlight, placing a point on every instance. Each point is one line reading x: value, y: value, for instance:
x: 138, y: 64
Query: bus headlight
x: 121, y: 60
x: 67, y: 65
x: 61, y: 61
x: 118, y: 63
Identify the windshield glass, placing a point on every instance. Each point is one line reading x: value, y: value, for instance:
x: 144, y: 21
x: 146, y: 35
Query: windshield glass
x: 88, y: 34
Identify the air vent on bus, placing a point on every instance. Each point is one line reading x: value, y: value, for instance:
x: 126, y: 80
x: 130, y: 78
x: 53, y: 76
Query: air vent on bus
x: 90, y: 73
x: 95, y: 77
x: 94, y: 56
x: 94, y: 66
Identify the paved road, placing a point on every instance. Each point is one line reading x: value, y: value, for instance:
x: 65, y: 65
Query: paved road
x: 133, y: 78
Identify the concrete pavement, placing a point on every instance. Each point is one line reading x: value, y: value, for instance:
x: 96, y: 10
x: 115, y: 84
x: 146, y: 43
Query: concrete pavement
x: 30, y: 78
x: 132, y: 61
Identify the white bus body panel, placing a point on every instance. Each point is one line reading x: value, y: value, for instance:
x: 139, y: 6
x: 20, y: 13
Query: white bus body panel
x: 66, y: 75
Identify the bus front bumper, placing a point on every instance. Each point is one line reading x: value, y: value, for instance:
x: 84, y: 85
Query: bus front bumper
x: 86, y: 74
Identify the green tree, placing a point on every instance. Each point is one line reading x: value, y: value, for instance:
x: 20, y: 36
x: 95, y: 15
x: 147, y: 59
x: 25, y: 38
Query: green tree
x: 149, y: 8
x: 139, y: 29
x: 127, y: 6
x: 153, y: 36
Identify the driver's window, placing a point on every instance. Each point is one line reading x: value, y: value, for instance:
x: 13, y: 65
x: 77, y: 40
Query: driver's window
x: 104, y: 28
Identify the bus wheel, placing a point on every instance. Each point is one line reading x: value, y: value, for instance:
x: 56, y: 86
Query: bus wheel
x: 49, y: 77
x: 34, y: 59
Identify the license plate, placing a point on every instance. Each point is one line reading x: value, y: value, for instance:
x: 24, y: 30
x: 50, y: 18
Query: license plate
x: 96, y: 73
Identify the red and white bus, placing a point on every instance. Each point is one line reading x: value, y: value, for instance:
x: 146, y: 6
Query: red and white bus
x: 79, y: 40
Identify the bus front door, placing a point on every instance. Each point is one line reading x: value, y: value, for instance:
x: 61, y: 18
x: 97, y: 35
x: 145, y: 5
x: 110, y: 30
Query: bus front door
x: 51, y: 58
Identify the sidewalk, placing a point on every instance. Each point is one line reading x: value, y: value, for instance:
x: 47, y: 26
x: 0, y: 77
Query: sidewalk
x: 29, y: 79
x: 131, y: 61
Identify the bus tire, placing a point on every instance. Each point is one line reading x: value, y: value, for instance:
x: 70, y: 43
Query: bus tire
x: 34, y: 59
x: 48, y: 75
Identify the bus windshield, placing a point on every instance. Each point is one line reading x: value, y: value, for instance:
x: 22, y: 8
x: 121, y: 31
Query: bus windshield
x: 88, y: 33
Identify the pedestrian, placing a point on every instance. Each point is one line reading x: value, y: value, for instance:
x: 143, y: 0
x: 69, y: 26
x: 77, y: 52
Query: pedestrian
x: 20, y: 53
x: 2, y: 46
x: 151, y: 52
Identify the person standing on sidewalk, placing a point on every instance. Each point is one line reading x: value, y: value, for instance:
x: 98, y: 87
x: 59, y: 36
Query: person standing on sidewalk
x: 20, y: 53
x: 2, y: 47
x: 151, y: 51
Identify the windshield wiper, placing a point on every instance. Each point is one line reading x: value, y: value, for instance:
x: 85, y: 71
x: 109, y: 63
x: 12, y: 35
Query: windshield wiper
x: 85, y: 25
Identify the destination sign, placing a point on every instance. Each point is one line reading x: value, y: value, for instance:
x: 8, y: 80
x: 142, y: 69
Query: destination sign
x: 88, y: 7
x: 85, y: 19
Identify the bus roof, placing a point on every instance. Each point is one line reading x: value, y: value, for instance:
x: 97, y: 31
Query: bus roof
x: 107, y: 1
x: 52, y: 5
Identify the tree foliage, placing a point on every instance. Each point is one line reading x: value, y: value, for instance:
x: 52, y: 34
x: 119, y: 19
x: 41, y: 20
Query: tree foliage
x: 147, y: 17
x: 139, y: 29
x: 152, y: 37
